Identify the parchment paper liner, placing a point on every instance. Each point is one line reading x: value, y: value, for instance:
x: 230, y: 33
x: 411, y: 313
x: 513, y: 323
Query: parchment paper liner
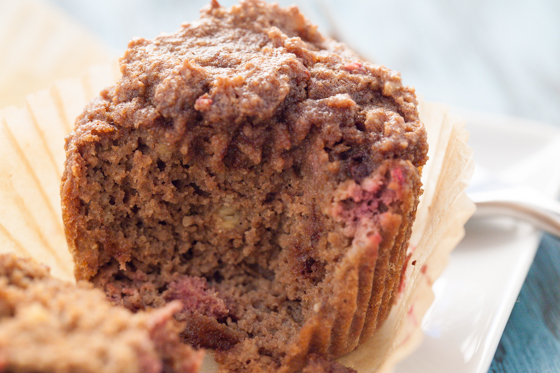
x: 40, y: 44
x: 444, y: 209
x: 31, y: 147
x: 32, y: 153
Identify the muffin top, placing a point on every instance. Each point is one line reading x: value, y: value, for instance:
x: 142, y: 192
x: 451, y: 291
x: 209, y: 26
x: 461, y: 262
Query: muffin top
x: 219, y: 84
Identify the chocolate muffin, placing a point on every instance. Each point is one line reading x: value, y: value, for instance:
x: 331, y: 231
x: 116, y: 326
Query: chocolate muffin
x: 51, y: 326
x: 258, y: 172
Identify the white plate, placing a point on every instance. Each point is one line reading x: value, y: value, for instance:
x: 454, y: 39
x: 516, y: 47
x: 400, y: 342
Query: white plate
x: 476, y: 293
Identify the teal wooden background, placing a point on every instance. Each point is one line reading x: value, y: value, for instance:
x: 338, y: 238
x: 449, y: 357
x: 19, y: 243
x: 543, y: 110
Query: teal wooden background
x: 531, y: 340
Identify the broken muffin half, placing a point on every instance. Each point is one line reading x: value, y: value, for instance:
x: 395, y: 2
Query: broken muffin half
x: 259, y: 173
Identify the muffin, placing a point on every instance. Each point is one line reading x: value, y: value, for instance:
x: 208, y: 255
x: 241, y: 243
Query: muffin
x: 50, y: 326
x: 259, y: 173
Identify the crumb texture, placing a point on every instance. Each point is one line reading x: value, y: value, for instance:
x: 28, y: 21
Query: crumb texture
x: 51, y: 326
x: 259, y: 173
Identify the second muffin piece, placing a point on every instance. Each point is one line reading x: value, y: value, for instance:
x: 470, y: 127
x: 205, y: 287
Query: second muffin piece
x: 52, y: 326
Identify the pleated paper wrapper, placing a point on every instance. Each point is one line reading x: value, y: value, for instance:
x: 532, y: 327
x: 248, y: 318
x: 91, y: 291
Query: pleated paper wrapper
x: 443, y: 210
x: 32, y: 153
x: 40, y: 44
